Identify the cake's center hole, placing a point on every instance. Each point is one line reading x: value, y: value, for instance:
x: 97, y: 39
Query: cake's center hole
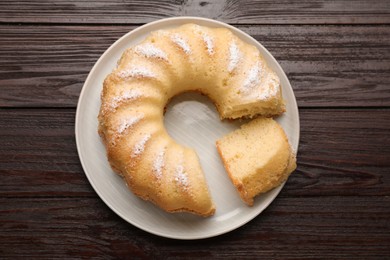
x: 193, y: 121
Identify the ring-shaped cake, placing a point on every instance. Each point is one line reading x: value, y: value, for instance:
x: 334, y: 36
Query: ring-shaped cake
x: 213, y: 61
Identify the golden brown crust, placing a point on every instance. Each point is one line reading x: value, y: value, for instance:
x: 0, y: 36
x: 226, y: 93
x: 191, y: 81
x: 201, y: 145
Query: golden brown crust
x: 134, y: 96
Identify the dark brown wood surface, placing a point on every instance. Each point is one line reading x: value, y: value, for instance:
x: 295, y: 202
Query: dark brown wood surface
x: 327, y: 65
x: 230, y: 11
x: 336, y: 205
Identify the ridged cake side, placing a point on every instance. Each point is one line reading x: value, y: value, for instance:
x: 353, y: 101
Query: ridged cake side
x: 212, y: 61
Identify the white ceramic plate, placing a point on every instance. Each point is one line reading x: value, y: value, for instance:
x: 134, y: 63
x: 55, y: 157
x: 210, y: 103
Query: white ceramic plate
x: 195, y: 124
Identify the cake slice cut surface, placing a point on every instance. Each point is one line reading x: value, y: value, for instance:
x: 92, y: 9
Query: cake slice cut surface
x: 257, y: 157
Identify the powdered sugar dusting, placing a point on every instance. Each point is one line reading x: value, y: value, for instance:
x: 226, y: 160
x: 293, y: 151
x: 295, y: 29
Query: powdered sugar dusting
x: 136, y: 72
x: 206, y: 38
x: 235, y: 56
x: 253, y: 78
x: 209, y: 43
x: 150, y: 51
x: 129, y: 122
x: 158, y: 163
x: 260, y: 84
x: 181, y: 177
x: 130, y: 94
x: 271, y: 87
x: 176, y: 38
x: 124, y: 96
x: 140, y: 146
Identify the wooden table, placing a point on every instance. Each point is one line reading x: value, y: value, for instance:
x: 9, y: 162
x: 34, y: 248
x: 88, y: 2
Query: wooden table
x: 336, y: 204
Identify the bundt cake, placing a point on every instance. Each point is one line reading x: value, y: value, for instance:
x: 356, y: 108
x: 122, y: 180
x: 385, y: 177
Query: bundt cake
x: 257, y: 157
x: 212, y: 61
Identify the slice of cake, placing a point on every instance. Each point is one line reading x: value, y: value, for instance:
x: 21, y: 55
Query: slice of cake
x: 257, y: 157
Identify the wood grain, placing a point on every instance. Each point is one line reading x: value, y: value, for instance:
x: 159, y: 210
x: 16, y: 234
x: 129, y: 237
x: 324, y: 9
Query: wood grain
x: 328, y: 66
x: 38, y: 156
x: 231, y: 11
x: 290, y: 228
x: 334, y: 206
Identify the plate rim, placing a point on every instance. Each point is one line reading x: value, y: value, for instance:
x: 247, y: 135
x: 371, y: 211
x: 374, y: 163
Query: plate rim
x: 182, y: 20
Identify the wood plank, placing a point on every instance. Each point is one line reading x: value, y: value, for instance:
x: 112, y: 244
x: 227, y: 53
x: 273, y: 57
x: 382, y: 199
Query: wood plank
x: 46, y: 66
x: 342, y: 152
x: 290, y: 228
x: 237, y: 12
x: 346, y: 151
x: 38, y: 154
